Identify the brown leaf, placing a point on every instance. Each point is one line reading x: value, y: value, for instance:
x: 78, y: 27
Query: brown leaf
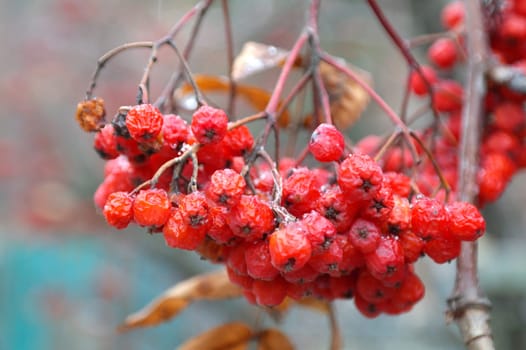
x: 347, y: 99
x: 211, y: 286
x: 256, y: 57
x: 274, y: 339
x: 257, y: 97
x: 229, y: 336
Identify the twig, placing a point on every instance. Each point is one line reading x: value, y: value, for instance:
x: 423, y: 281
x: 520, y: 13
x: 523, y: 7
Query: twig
x: 468, y: 306
x: 230, y: 58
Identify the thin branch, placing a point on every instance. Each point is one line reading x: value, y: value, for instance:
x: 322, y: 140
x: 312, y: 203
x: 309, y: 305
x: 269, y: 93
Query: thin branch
x: 468, y: 306
x: 230, y: 58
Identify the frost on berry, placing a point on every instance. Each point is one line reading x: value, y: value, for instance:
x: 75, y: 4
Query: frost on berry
x: 289, y: 248
x: 209, y: 124
x: 251, y: 218
x: 90, y: 114
x: 226, y: 187
x: 144, y: 122
x: 151, y: 207
x: 360, y: 177
x: 326, y: 143
x: 118, y: 209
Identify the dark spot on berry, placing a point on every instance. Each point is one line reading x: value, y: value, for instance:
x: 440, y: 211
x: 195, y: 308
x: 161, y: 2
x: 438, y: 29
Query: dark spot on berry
x: 348, y: 294
x: 289, y: 265
x: 196, y: 220
x: 378, y: 294
x: 371, y: 308
x: 391, y: 269
x: 378, y: 206
x: 246, y: 229
x: 393, y: 229
x: 363, y: 233
x: 223, y: 198
x: 333, y: 267
x: 326, y: 243
x: 366, y: 185
x: 331, y: 213
x: 119, y: 126
x: 210, y: 134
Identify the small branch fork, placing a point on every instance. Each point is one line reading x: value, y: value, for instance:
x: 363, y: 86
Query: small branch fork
x: 468, y: 306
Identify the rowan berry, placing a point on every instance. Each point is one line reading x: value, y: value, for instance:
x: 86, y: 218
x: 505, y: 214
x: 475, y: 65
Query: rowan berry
x: 289, y: 247
x: 238, y: 141
x: 344, y: 286
x: 334, y: 205
x: 366, y: 308
x: 105, y: 143
x: 399, y: 183
x: 442, y: 249
x: 326, y: 143
x: 371, y: 289
x: 251, y: 218
x: 509, y: 116
x: 360, y: 177
x: 175, y: 130
x: 418, y: 84
x: 319, y: 230
x: 219, y: 230
x: 144, y: 122
x: 225, y: 187
x: 301, y: 276
x: 465, y: 221
x: 118, y: 209
x: 236, y: 259
x: 364, y: 235
x: 270, y: 293
x: 352, y: 257
x: 412, y: 245
x: 443, y: 53
x: 90, y: 114
x: 447, y: 96
x: 387, y: 261
x: 380, y: 205
x: 495, y: 171
x: 151, y: 207
x: 259, y: 266
x: 179, y: 234
x: 209, y: 124
x: 194, y: 208
x: 300, y: 191
x: 513, y: 27
x: 429, y: 218
x: 328, y: 260
x: 453, y: 14
x: 399, y: 219
x: 243, y: 281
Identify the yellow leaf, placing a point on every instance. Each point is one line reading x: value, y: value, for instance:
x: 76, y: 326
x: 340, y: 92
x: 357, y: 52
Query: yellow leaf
x: 274, y: 339
x: 211, y: 286
x: 230, y: 336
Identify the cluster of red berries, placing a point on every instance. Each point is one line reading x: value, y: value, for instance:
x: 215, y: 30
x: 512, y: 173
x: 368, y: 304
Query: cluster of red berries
x: 355, y: 232
x: 504, y: 128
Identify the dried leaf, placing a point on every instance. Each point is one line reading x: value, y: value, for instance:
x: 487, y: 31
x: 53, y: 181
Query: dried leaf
x: 257, y: 97
x: 274, y: 339
x: 256, y: 57
x: 211, y: 286
x: 347, y: 99
x: 230, y: 336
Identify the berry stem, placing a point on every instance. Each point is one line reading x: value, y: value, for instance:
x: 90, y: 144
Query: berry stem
x: 229, y: 57
x: 468, y: 306
x: 336, y: 336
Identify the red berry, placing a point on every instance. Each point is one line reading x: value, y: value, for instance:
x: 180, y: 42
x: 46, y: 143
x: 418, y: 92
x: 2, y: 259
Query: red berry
x: 319, y: 230
x: 380, y: 205
x: 300, y: 192
x: 412, y: 245
x: 371, y: 289
x: 509, y: 116
x: 418, y: 84
x: 238, y: 141
x: 144, y: 122
x: 151, y: 207
x: 259, y: 266
x: 334, y: 205
x: 453, y: 14
x: 226, y: 187
x: 289, y: 248
x: 326, y: 143
x: 429, y: 219
x: 118, y: 209
x: 179, y: 234
x: 387, y: 261
x: 194, y: 208
x: 360, y: 177
x: 328, y: 260
x: 364, y: 235
x: 442, y: 249
x: 399, y: 219
x: 448, y: 96
x: 513, y: 27
x: 366, y: 308
x: 443, y: 53
x: 219, y: 230
x: 240, y: 280
x: 209, y: 124
x: 301, y: 276
x: 465, y: 221
x: 105, y: 143
x: 251, y: 218
x: 270, y: 293
x: 175, y: 130
x: 344, y: 286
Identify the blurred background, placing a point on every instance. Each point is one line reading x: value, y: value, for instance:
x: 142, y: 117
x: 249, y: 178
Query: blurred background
x: 67, y: 280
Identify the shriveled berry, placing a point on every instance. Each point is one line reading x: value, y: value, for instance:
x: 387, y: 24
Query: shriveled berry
x: 90, y: 114
x: 226, y: 187
x: 144, y: 122
x: 412, y: 245
x: 364, y: 235
x: 429, y: 218
x: 270, y: 293
x: 175, y: 130
x: 178, y: 234
x: 301, y: 276
x: 326, y: 143
x: 319, y: 230
x: 300, y: 191
x: 105, y: 143
x: 359, y: 176
x: 118, y: 209
x: 209, y: 124
x: 442, y: 249
x: 371, y: 289
x: 380, y: 205
x: 151, y: 207
x: 465, y: 221
x: 334, y: 205
x: 259, y: 266
x: 386, y: 261
x: 194, y: 208
x: 289, y: 248
x: 251, y: 218
x: 238, y: 141
x: 219, y: 230
x: 328, y: 260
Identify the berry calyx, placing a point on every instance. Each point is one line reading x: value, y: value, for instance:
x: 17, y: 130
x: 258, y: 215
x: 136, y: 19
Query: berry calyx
x: 209, y: 125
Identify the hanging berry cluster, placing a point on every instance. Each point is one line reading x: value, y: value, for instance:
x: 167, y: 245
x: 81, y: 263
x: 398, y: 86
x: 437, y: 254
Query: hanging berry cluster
x: 353, y: 222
